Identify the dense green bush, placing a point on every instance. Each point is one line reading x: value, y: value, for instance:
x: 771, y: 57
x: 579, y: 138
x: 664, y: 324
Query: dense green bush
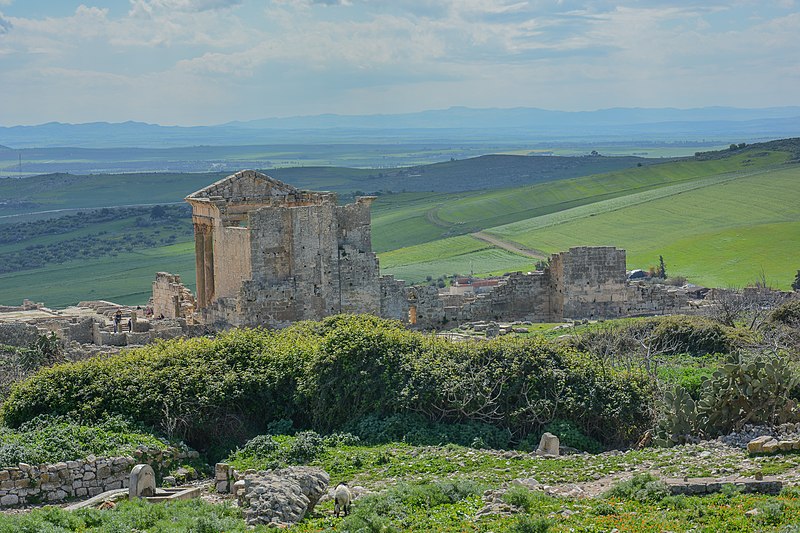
x: 47, y: 439
x: 696, y: 335
x: 194, y: 515
x: 787, y: 313
x: 569, y: 435
x: 376, y: 512
x: 330, y: 374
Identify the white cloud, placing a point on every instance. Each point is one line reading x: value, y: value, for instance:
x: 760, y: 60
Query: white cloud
x: 293, y: 56
x: 150, y: 7
x: 5, y: 24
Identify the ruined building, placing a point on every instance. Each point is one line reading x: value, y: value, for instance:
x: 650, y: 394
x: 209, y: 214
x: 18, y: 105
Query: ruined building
x: 270, y: 254
x: 267, y: 253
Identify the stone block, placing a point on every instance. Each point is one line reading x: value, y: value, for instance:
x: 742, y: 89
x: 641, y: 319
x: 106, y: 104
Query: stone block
x: 548, y: 445
x: 9, y: 499
x: 771, y: 446
x: 142, y: 482
x: 757, y: 445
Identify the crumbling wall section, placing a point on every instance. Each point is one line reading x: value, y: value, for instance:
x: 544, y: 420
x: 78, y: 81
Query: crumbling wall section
x: 393, y: 301
x: 171, y: 298
x: 591, y: 280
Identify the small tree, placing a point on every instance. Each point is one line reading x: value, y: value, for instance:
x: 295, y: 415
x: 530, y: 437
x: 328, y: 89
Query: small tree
x: 662, y: 268
x: 796, y: 282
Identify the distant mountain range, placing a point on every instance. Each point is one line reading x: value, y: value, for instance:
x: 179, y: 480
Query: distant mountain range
x: 454, y: 124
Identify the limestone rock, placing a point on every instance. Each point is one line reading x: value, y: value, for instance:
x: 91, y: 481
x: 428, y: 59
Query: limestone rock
x: 280, y: 497
x: 757, y: 445
x: 548, y: 445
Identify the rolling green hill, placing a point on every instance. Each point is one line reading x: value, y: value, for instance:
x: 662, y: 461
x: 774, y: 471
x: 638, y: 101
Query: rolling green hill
x: 68, y: 191
x: 723, y: 232
x: 719, y: 219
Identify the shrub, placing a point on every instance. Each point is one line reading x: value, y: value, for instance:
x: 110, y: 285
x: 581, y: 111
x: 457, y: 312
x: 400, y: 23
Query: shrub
x: 530, y: 524
x: 48, y: 439
x: 416, y: 429
x: 524, y: 499
x: 329, y: 375
x: 787, y: 313
x: 305, y: 447
x: 771, y: 513
x: 341, y: 439
x: 641, y: 487
x: 376, y: 512
x: 604, y: 509
x: 260, y: 446
x: 695, y: 335
x: 281, y: 427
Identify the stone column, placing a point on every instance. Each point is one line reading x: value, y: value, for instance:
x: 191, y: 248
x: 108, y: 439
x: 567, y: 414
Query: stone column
x: 208, y: 260
x: 199, y: 264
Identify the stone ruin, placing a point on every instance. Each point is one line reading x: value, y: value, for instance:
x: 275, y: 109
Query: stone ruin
x: 269, y: 254
x: 88, y: 328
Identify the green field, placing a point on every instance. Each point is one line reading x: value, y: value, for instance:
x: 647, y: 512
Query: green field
x: 456, y: 255
x: 721, y: 234
x: 126, y: 278
x: 719, y: 220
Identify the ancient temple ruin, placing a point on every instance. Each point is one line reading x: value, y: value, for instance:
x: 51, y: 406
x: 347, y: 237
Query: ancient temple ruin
x: 270, y: 254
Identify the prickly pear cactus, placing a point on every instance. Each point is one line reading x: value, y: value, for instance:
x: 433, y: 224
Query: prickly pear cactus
x: 679, y: 421
x: 753, y: 389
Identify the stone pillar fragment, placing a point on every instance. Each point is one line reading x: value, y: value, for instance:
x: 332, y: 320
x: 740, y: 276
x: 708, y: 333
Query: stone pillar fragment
x: 199, y: 264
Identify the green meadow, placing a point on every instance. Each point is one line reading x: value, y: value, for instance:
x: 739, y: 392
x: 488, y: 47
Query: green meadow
x: 126, y: 278
x: 721, y: 234
x: 456, y: 255
x: 722, y: 220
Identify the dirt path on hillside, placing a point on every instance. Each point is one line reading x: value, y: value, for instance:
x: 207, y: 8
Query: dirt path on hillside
x: 433, y: 217
x: 510, y: 246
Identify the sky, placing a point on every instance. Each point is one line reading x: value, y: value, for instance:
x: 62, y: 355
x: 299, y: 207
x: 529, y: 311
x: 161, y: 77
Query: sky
x: 198, y: 62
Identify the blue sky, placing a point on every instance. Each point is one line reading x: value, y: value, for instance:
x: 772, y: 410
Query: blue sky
x: 194, y: 62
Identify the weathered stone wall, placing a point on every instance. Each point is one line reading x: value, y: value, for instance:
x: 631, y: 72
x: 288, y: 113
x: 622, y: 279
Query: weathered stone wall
x: 27, y: 484
x: 425, y: 308
x: 394, y: 303
x: 299, y: 257
x: 171, y: 298
x: 303, y: 257
x: 232, y: 261
x: 18, y: 334
x: 591, y: 281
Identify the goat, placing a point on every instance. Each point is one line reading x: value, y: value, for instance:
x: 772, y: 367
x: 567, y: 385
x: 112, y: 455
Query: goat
x: 342, y: 498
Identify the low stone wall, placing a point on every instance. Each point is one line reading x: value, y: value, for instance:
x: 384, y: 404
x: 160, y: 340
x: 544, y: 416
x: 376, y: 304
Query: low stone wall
x: 698, y: 486
x: 30, y: 484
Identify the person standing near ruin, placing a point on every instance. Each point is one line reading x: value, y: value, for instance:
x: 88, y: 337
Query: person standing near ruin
x: 117, y: 320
